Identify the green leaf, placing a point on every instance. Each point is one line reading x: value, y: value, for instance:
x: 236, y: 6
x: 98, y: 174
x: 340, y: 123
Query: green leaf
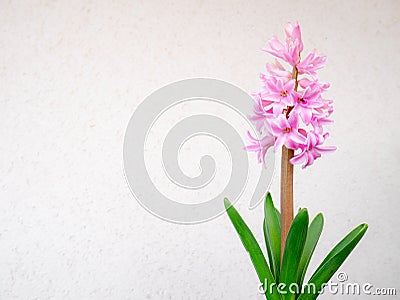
x: 272, y: 234
x: 313, y: 234
x: 278, y: 214
x: 292, y: 254
x: 254, y: 250
x: 333, y: 262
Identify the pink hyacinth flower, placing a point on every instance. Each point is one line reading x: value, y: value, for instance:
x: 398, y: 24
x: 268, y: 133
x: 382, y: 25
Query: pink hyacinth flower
x: 326, y: 107
x: 293, y: 36
x: 276, y: 69
x: 318, y: 121
x: 277, y: 48
x: 312, y: 149
x: 305, y: 82
x: 260, y: 115
x: 286, y: 132
x: 280, y: 93
x: 290, y: 52
x: 307, y: 100
x: 260, y: 146
x: 289, y: 108
x: 311, y: 64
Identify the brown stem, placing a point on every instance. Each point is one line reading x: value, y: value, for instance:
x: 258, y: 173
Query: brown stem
x: 286, y: 194
x: 294, y: 76
x: 287, y: 183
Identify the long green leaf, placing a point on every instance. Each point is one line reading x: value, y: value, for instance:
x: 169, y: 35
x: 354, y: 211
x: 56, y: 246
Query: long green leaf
x: 278, y: 214
x: 292, y: 254
x: 333, y: 262
x: 354, y: 234
x: 313, y: 234
x: 272, y: 234
x: 254, y: 250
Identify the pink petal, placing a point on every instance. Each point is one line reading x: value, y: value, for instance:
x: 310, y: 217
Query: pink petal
x: 298, y: 159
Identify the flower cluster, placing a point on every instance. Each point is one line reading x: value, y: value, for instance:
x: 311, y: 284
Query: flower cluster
x: 289, y: 110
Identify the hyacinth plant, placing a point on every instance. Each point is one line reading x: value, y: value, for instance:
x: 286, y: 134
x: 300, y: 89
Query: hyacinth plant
x: 290, y: 114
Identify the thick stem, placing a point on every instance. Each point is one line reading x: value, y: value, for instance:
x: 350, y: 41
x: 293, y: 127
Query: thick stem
x: 286, y: 195
x: 287, y: 183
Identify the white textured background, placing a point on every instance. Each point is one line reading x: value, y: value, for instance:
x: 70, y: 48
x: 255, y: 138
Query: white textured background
x: 72, y: 73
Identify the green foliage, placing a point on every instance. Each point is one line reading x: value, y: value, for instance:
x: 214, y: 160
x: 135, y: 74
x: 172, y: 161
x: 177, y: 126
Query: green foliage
x: 313, y: 234
x: 300, y: 244
x: 293, y: 251
x: 272, y: 234
x: 254, y: 250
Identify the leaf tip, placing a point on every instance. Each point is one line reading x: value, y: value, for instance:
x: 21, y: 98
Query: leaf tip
x: 227, y: 203
x: 303, y: 211
x: 320, y: 216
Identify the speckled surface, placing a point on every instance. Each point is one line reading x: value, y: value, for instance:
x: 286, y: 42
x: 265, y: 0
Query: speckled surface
x: 72, y: 73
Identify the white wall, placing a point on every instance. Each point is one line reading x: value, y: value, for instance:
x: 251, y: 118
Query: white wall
x: 72, y: 73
